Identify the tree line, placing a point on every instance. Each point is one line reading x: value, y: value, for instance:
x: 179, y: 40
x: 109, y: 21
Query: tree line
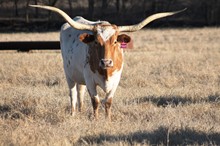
x: 199, y: 12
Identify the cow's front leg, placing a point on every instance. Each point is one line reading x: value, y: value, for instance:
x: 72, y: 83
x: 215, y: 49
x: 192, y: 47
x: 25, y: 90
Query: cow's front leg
x: 108, y: 104
x: 95, y: 103
x: 94, y: 99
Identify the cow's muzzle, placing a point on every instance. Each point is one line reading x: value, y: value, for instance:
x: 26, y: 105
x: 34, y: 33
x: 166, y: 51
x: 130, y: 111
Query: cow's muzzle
x: 106, y: 63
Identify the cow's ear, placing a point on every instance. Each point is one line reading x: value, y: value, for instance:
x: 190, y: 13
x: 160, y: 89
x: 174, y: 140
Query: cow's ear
x: 123, y: 38
x: 86, y: 38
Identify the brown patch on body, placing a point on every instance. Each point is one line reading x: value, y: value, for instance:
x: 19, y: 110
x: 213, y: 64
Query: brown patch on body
x: 86, y: 38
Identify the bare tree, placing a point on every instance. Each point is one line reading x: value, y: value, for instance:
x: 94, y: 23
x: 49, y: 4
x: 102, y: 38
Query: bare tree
x: 51, y: 3
x: 104, y: 6
x: 70, y: 6
x: 118, y: 6
x: 36, y: 10
x: 16, y: 7
x: 91, y: 8
x: 27, y: 12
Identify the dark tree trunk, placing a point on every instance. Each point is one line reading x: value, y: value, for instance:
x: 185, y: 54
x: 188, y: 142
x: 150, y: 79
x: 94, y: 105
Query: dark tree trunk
x: 70, y: 6
x: 118, y: 6
x: 27, y: 12
x: 91, y: 8
x: 16, y: 7
x: 36, y: 10
x: 51, y: 3
x: 104, y: 7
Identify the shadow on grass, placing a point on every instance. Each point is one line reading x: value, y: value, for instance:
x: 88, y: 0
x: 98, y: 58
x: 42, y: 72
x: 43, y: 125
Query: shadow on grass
x: 164, y: 101
x: 157, y: 137
x: 10, y: 112
x: 20, y: 112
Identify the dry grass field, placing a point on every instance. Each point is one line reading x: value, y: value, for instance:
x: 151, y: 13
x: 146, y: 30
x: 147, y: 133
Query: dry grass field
x: 169, y: 94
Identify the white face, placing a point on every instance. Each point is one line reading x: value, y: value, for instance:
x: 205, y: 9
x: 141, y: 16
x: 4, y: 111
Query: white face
x: 105, y: 32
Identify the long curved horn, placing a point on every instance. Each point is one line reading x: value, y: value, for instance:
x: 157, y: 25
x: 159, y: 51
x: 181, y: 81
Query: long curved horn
x: 72, y: 23
x: 146, y: 21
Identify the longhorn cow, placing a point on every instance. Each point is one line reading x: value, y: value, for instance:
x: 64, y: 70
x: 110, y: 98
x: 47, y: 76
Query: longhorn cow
x: 92, y: 56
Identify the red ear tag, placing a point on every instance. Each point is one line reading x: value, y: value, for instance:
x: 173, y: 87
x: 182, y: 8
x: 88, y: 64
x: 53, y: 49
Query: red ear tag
x: 123, y: 45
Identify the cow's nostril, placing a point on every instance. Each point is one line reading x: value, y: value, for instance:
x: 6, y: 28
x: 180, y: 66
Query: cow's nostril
x: 106, y: 63
x: 102, y: 62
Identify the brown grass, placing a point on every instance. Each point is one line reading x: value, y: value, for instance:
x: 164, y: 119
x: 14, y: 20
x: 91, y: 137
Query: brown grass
x: 169, y: 94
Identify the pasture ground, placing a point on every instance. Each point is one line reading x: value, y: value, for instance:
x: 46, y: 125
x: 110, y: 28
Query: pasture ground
x: 169, y: 94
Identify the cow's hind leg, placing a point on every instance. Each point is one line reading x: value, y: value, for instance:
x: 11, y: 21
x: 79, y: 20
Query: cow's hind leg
x: 73, y: 100
x: 95, y: 103
x: 80, y: 95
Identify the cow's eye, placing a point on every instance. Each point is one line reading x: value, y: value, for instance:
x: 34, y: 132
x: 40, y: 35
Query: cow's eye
x: 96, y: 42
x: 115, y: 42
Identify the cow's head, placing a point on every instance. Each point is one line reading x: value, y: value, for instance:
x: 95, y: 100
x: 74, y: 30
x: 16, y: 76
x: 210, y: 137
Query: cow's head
x: 105, y: 53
